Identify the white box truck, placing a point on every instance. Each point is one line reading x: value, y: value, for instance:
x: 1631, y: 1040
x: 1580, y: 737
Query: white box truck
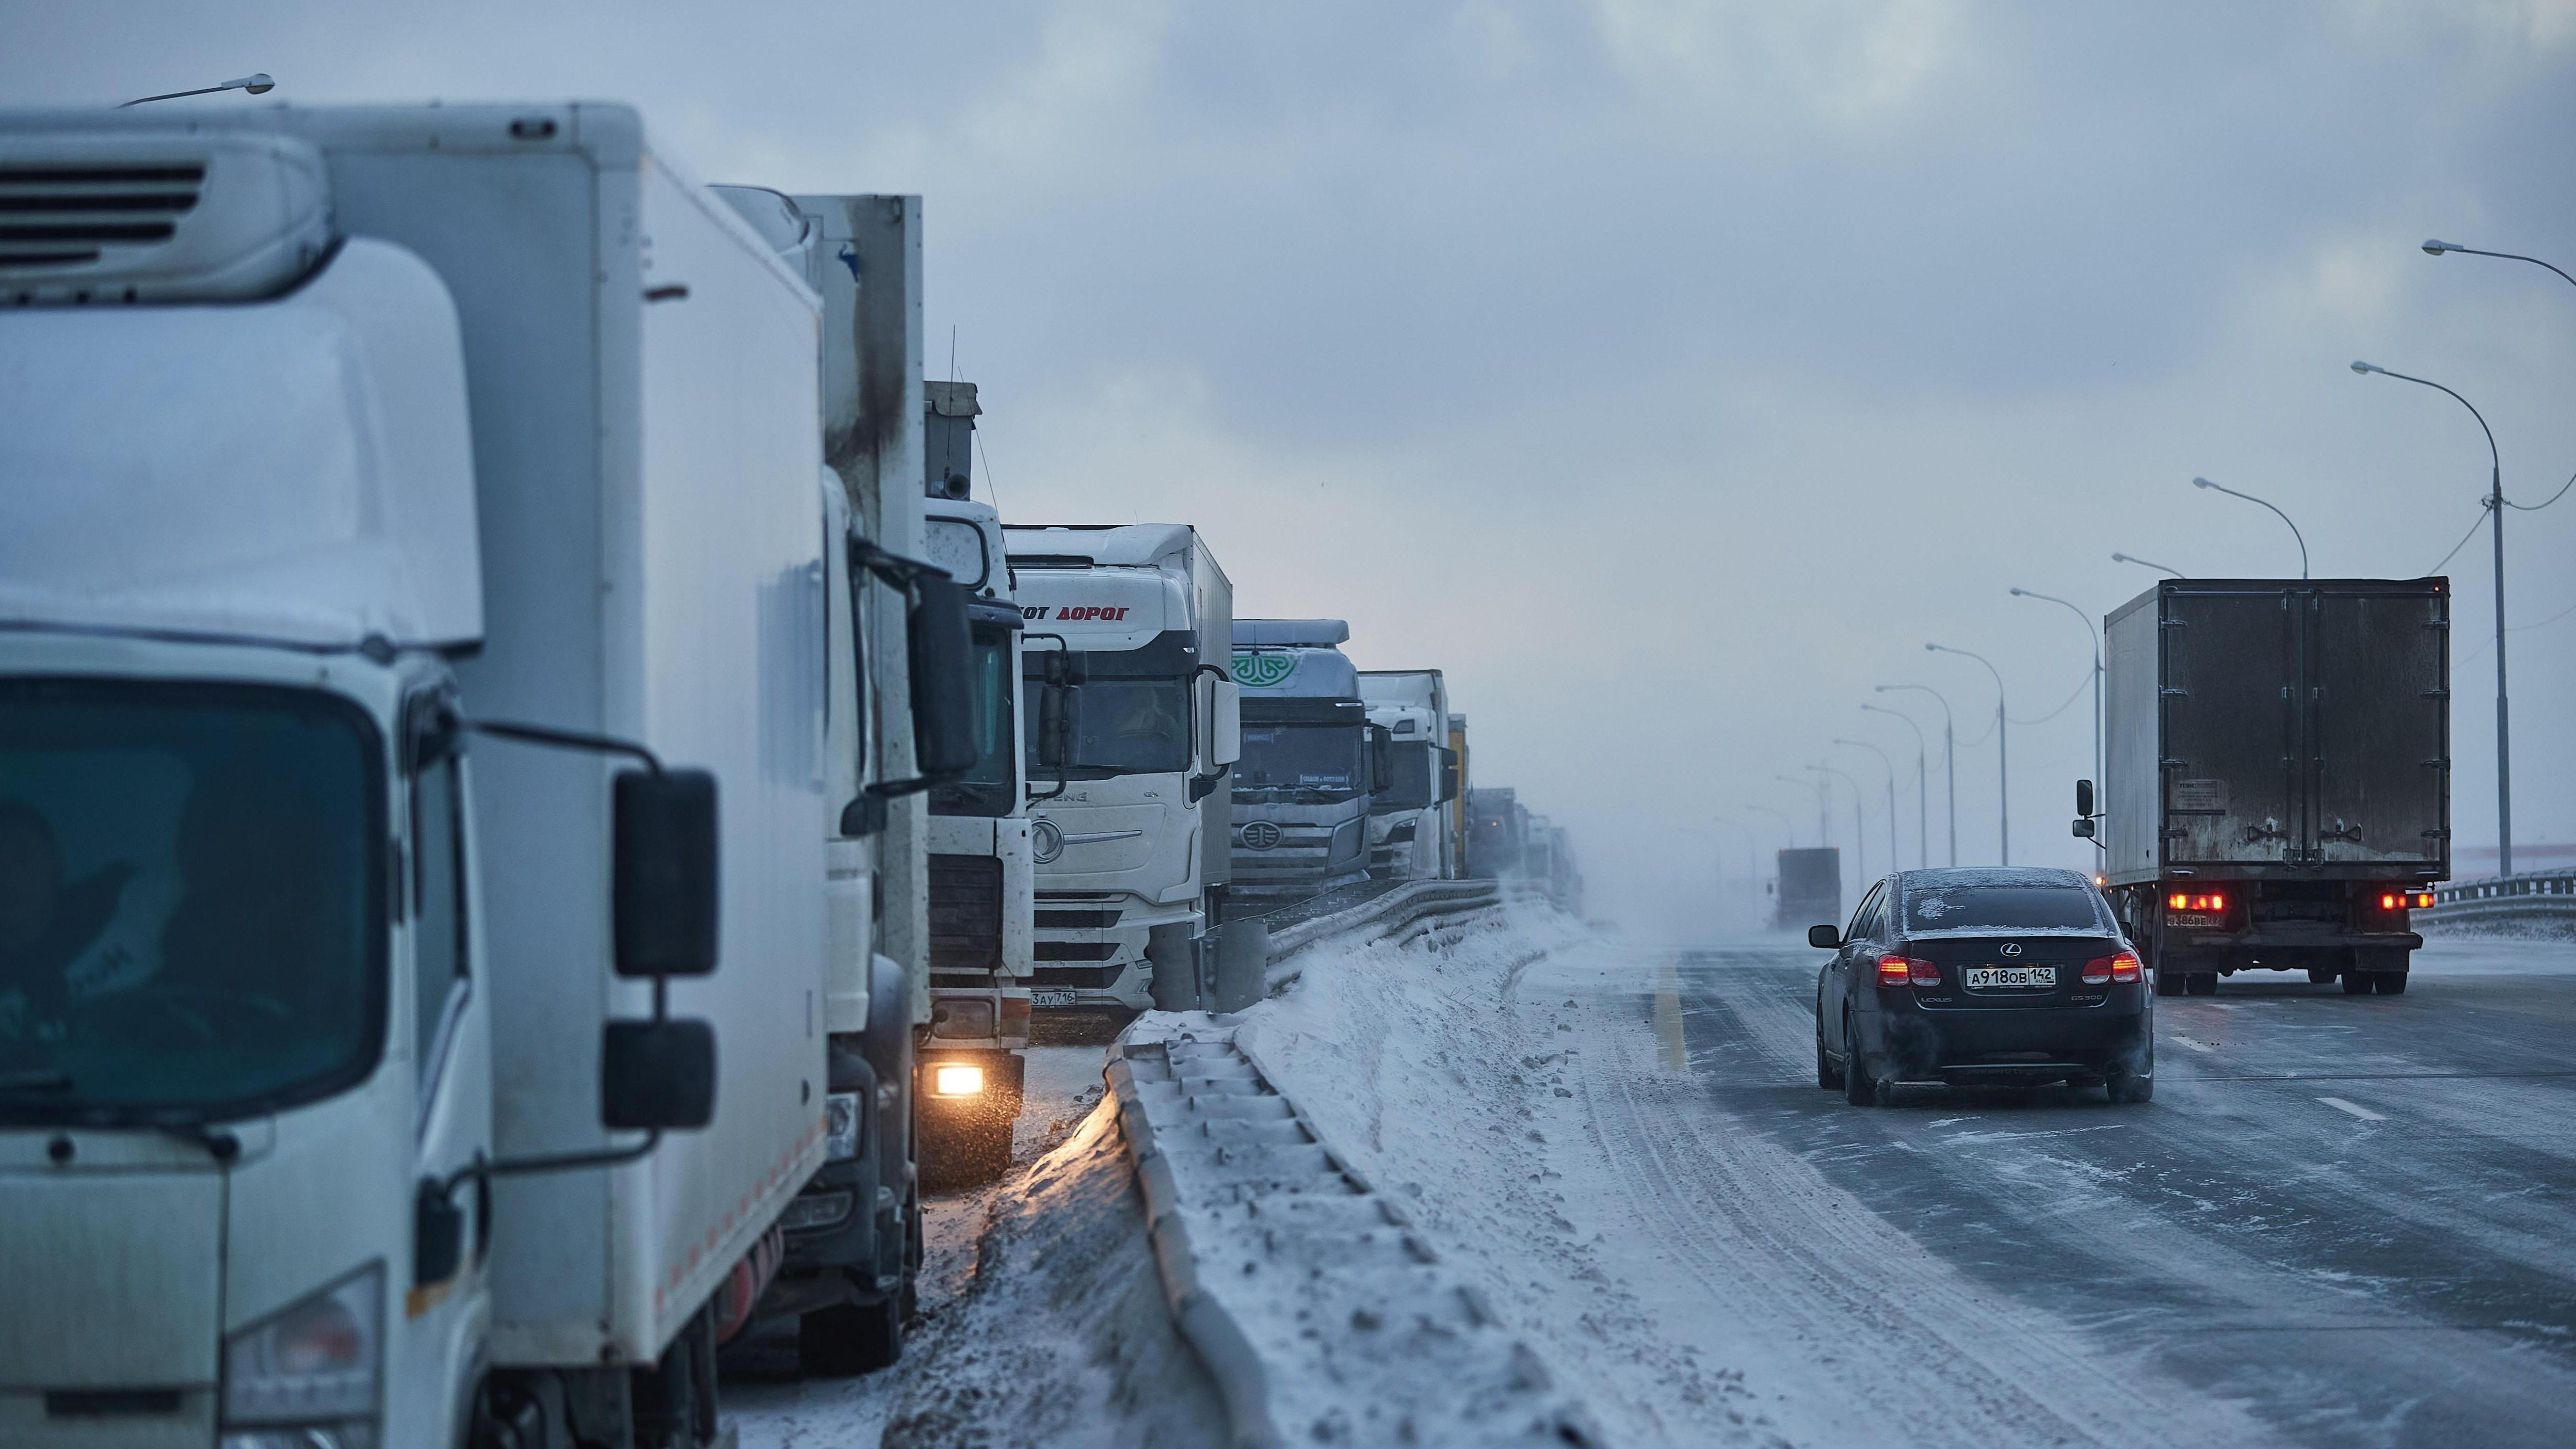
x: 1133, y: 727
x: 1312, y: 763
x: 330, y: 441
x: 1412, y: 823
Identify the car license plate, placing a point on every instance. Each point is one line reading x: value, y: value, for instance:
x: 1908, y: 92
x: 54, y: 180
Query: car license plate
x: 1982, y: 978
x: 1050, y: 998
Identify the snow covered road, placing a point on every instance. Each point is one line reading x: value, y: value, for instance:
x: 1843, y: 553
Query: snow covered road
x: 2343, y: 1222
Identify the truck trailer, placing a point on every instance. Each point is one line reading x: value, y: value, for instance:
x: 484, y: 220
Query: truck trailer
x: 1311, y: 765
x: 2278, y: 762
x: 1809, y: 886
x: 1497, y: 833
x: 414, y: 545
x: 1132, y: 728
x: 1410, y: 821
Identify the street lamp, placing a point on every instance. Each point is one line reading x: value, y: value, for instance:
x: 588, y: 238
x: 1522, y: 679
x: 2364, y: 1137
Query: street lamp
x: 2096, y: 635
x: 1891, y: 792
x: 2436, y: 248
x: 2145, y: 563
x: 1949, y: 756
x: 2250, y: 498
x: 2003, y: 771
x: 1860, y: 842
x: 1922, y: 787
x: 258, y: 85
x: 2495, y: 506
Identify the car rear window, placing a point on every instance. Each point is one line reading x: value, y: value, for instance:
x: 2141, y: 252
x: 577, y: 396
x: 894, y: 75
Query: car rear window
x: 2001, y: 908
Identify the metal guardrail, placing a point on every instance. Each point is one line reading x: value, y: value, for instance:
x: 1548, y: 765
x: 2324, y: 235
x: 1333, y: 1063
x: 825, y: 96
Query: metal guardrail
x: 2537, y: 903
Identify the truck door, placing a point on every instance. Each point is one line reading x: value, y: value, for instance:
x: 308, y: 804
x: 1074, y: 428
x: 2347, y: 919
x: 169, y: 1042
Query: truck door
x: 2231, y: 674
x: 2378, y: 725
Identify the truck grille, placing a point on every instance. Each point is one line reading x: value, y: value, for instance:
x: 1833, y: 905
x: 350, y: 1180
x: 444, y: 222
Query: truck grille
x: 1085, y: 978
x: 965, y: 913
x: 1075, y: 950
x: 1077, y: 920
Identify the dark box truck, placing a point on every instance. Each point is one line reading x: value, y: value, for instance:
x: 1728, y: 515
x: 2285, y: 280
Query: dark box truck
x: 2279, y: 775
x: 1811, y: 889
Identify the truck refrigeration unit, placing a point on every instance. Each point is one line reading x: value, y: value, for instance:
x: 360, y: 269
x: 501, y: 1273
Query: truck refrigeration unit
x: 1410, y: 834
x: 1132, y: 730
x: 413, y: 560
x: 1311, y: 763
x: 2279, y: 767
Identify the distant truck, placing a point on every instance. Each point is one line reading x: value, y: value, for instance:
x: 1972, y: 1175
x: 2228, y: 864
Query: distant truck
x: 1497, y: 834
x: 982, y: 879
x: 1311, y: 761
x: 1411, y: 834
x: 2279, y: 775
x: 1810, y: 885
x: 1133, y: 728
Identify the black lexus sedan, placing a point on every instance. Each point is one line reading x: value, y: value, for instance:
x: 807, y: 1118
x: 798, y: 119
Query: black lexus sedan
x: 1986, y: 976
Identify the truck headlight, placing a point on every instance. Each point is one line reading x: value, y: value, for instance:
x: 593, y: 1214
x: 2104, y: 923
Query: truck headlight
x: 311, y: 1374
x: 840, y: 1125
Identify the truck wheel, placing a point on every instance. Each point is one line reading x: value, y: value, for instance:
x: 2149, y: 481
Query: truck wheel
x: 2320, y: 975
x: 848, y: 1339
x: 2357, y: 983
x: 2390, y: 983
x: 2169, y: 982
x: 2201, y: 983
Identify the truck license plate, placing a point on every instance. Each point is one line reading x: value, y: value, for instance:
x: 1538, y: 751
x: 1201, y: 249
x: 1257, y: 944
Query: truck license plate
x: 1984, y: 977
x: 1050, y: 998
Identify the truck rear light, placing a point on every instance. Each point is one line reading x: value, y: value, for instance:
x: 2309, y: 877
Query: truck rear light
x: 2102, y: 970
x: 2423, y: 900
x: 1906, y: 970
x: 2197, y: 904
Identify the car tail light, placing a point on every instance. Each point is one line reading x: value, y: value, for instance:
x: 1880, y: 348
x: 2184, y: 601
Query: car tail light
x: 1906, y: 970
x: 2105, y: 969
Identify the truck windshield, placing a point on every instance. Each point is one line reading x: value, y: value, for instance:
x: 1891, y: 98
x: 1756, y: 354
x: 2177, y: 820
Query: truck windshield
x: 191, y: 909
x: 1301, y: 757
x: 2002, y: 908
x: 1127, y: 727
x: 986, y: 788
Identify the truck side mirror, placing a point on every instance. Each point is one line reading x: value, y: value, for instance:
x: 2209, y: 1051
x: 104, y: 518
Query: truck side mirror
x: 1059, y: 712
x: 657, y: 1074
x: 1448, y: 775
x: 942, y: 647
x: 663, y: 877
x: 2084, y: 800
x: 1824, y: 938
x: 1381, y: 759
x: 1225, y: 723
x: 437, y: 1234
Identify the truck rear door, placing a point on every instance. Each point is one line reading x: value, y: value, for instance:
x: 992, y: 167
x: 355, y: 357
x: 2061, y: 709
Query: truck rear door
x: 2231, y: 667
x: 2379, y: 723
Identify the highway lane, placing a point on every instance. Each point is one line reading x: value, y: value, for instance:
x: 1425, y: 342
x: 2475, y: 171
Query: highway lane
x: 2344, y: 1220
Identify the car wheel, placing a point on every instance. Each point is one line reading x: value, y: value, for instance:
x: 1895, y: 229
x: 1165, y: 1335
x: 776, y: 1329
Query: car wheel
x: 1860, y: 1088
x: 2356, y: 983
x: 1828, y: 1076
x: 2125, y: 1086
x: 2391, y: 983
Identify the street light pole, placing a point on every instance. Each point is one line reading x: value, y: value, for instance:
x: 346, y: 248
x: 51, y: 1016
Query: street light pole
x: 2003, y: 754
x: 2250, y: 498
x: 1891, y: 794
x: 1922, y: 787
x: 1949, y: 756
x: 2096, y: 634
x: 1860, y: 842
x: 258, y: 85
x: 2495, y: 507
x: 2145, y: 563
x: 1824, y: 827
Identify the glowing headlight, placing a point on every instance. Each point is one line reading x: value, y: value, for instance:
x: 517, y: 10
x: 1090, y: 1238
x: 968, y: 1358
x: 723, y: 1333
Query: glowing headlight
x: 841, y: 1125
x: 314, y: 1367
x: 956, y: 1081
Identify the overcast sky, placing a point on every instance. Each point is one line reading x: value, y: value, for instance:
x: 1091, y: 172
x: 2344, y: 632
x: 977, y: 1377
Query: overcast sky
x: 1669, y: 373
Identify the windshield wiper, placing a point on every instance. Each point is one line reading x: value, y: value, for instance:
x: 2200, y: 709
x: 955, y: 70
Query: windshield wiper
x: 36, y: 1079
x: 220, y: 1145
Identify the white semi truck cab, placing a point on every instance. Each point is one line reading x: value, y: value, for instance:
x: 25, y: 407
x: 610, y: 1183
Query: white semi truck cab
x: 1312, y: 762
x: 1412, y: 823
x: 408, y: 517
x: 1132, y: 732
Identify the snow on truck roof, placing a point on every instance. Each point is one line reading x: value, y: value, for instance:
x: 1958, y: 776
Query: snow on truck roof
x: 1291, y: 633
x: 1119, y: 545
